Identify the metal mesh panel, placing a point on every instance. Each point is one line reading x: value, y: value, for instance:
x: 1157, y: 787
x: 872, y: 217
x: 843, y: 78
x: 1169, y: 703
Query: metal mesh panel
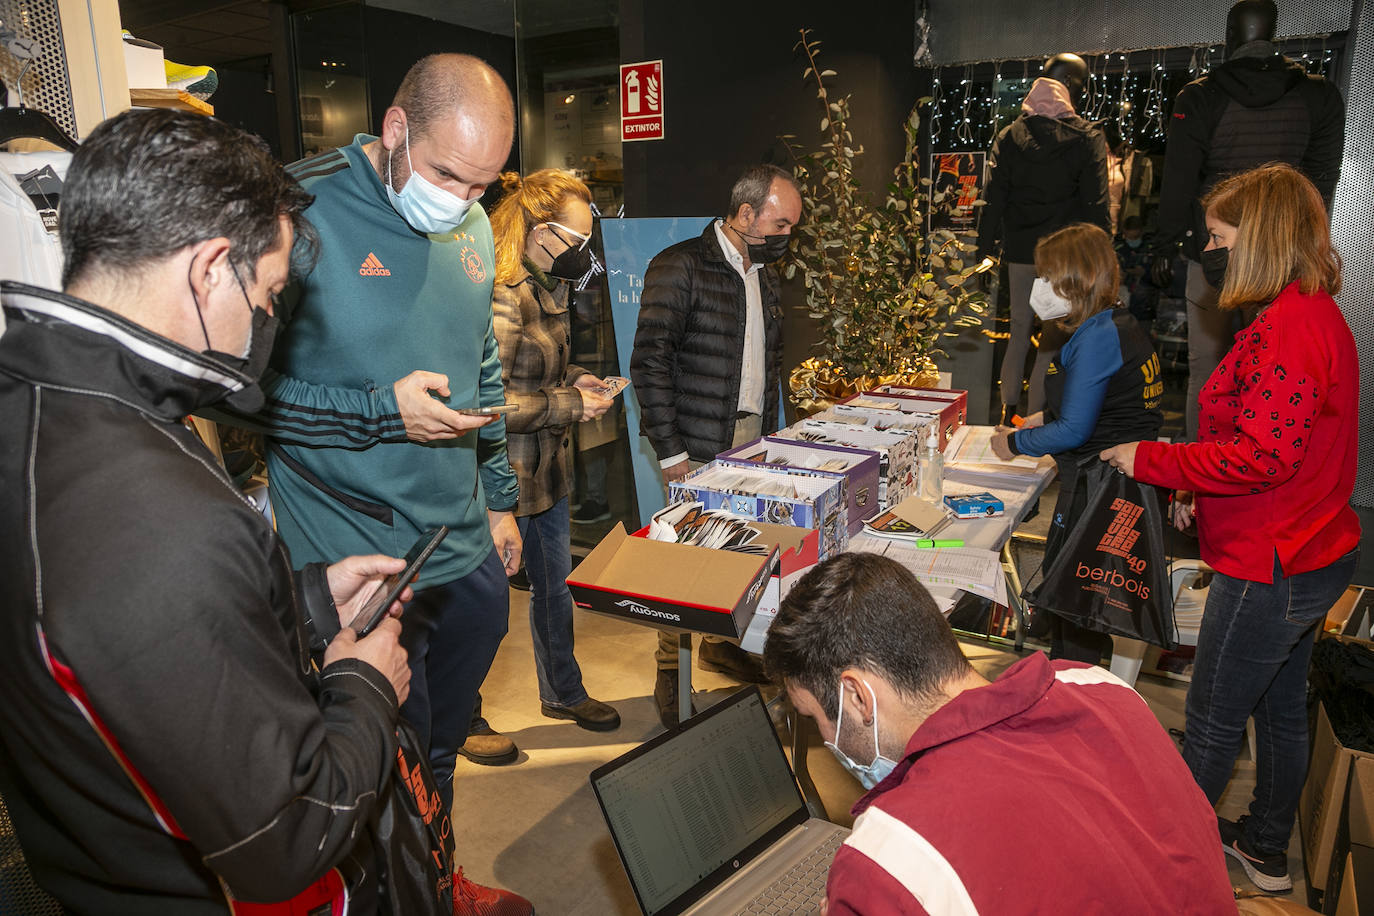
x: 1352, y: 226
x: 18, y: 894
x: 962, y: 31
x: 46, y: 84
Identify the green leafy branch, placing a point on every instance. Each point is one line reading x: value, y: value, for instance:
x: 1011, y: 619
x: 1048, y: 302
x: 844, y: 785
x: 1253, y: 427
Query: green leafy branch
x: 885, y: 291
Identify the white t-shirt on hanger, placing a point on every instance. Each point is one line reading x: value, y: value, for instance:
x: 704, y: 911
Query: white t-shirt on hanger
x: 29, y: 248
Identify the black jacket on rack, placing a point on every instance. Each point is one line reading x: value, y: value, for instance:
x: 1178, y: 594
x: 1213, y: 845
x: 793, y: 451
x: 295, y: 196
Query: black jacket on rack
x: 689, y: 348
x: 1249, y: 111
x: 1044, y: 173
x: 167, y: 743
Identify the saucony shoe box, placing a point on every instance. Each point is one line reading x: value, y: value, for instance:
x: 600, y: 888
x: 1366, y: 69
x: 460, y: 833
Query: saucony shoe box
x: 684, y: 587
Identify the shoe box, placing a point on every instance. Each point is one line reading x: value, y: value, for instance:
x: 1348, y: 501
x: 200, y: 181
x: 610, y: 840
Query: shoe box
x: 859, y: 471
x: 948, y: 405
x: 896, y: 450
x: 1337, y: 799
x: 773, y: 494
x: 685, y: 587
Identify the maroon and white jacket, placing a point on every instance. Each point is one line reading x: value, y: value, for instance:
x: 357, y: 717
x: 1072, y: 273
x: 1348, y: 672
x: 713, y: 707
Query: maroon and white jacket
x: 1052, y: 790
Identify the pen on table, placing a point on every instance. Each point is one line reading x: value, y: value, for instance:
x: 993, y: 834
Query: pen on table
x: 927, y: 542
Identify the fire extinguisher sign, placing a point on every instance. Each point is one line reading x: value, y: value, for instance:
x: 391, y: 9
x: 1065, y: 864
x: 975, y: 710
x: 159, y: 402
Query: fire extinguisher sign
x: 641, y: 101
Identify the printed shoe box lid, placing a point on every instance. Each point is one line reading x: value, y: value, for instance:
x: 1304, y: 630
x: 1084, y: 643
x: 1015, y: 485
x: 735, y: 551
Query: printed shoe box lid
x: 860, y: 473
x: 895, y: 448
x: 949, y: 405
x: 681, y: 586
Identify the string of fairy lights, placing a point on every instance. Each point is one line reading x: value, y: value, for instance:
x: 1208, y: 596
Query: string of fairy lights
x: 971, y: 102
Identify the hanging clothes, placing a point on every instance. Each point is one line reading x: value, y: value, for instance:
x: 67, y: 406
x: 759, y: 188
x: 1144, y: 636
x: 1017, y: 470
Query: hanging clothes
x: 30, y: 190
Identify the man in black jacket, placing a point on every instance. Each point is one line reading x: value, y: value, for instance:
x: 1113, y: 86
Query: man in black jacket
x: 1047, y: 169
x: 167, y: 742
x: 1258, y: 107
x: 708, y: 357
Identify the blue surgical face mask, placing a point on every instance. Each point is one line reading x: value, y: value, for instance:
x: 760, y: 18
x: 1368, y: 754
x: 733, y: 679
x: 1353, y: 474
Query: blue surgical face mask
x: 881, y: 767
x: 427, y: 208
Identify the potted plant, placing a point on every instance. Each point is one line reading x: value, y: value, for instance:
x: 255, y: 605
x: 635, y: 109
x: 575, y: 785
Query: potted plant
x: 885, y: 288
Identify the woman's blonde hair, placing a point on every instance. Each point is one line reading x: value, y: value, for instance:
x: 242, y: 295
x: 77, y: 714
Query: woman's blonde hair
x: 1080, y: 263
x: 538, y: 197
x: 1282, y: 236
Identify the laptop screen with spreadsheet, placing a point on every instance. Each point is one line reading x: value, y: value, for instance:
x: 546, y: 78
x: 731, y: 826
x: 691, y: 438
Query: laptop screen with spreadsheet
x: 694, y: 805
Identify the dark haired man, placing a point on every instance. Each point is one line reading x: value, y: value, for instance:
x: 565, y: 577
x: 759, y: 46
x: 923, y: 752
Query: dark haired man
x: 387, y: 339
x: 167, y: 743
x: 1105, y: 812
x: 707, y: 356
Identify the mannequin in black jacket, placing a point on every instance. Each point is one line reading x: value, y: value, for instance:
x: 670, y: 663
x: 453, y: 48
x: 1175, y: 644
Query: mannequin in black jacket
x: 1257, y: 107
x: 707, y: 359
x: 1048, y: 169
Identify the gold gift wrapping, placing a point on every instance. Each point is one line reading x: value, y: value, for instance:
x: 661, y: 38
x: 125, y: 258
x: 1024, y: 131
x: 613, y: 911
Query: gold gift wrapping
x: 818, y: 383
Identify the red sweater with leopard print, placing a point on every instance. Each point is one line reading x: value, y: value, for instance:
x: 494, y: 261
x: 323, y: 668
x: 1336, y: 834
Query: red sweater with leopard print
x: 1278, y: 433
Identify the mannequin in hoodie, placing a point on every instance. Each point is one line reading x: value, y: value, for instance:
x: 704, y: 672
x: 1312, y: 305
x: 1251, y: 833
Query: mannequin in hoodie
x: 1047, y: 169
x: 1256, y: 108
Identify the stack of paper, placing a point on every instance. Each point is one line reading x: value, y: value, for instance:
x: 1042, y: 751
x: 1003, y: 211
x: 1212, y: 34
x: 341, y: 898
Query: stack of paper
x: 972, y: 445
x: 969, y: 568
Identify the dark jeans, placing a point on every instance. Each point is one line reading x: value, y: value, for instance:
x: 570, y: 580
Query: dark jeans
x: 548, y: 560
x: 1252, y: 656
x: 452, y: 632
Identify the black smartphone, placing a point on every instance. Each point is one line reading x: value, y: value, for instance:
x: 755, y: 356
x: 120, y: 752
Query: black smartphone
x: 375, y: 610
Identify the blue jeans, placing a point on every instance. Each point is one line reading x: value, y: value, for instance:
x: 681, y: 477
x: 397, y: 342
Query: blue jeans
x: 548, y: 561
x: 1252, y: 656
x: 452, y: 632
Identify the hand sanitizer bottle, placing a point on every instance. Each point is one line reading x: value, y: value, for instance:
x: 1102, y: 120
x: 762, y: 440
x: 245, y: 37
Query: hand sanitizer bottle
x: 932, y: 470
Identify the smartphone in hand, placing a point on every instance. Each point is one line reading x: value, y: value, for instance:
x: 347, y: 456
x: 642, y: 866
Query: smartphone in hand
x: 374, y: 612
x: 492, y: 411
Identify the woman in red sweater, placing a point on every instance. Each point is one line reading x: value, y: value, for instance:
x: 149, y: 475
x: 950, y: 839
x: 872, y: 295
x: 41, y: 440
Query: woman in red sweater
x: 1269, y: 483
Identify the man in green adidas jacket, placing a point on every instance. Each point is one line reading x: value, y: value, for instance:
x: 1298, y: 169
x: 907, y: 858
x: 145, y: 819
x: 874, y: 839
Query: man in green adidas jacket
x: 402, y: 291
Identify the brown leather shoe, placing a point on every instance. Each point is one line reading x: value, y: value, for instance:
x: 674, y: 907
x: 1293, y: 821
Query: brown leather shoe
x: 590, y: 714
x: 731, y: 661
x: 665, y: 696
x: 489, y: 748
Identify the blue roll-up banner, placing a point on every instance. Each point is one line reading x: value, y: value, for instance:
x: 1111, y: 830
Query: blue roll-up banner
x: 629, y: 245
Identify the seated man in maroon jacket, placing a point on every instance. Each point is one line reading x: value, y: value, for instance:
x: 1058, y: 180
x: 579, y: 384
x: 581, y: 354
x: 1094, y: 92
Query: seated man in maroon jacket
x: 1103, y: 811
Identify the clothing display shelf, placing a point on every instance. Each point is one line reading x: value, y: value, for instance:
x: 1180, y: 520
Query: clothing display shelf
x: 177, y: 99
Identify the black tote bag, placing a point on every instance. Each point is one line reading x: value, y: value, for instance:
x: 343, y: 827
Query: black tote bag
x: 1110, y: 574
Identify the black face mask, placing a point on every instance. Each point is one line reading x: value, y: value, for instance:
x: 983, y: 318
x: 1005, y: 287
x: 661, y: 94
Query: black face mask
x: 576, y: 264
x: 767, y: 251
x: 1214, y: 266
x: 252, y: 364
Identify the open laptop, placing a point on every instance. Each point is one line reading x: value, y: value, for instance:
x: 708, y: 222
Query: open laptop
x: 707, y: 817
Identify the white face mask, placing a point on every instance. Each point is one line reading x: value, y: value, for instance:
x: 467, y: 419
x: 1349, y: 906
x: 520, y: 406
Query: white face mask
x: 881, y: 767
x: 426, y: 208
x: 1046, y: 302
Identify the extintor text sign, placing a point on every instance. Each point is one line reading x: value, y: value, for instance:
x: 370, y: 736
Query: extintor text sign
x: 641, y: 101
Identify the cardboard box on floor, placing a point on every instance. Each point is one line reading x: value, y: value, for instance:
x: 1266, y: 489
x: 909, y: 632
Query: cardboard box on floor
x: 1325, y: 800
x: 684, y: 587
x: 1357, y: 884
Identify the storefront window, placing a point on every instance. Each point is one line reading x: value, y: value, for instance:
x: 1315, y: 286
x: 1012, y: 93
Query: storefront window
x: 331, y: 76
x: 568, y: 59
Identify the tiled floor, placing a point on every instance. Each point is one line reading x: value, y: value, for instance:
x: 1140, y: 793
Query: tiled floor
x: 535, y: 826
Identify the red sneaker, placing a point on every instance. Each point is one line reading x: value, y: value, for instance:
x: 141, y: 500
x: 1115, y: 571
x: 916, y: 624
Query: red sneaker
x: 471, y: 899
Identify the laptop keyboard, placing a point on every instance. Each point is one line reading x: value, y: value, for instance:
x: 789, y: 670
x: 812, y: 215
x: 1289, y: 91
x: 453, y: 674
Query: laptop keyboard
x: 802, y: 888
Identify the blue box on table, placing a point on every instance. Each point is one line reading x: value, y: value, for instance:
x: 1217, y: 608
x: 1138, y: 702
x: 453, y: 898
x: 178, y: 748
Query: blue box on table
x: 857, y: 467
x: 778, y: 496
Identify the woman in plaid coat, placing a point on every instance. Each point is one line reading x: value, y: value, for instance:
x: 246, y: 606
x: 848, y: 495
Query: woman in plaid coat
x: 542, y: 227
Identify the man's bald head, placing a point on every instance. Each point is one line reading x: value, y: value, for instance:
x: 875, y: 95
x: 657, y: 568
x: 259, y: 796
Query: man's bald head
x: 446, y: 85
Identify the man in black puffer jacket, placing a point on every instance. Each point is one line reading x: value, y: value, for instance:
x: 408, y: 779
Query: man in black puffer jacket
x: 708, y: 355
x: 1258, y: 107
